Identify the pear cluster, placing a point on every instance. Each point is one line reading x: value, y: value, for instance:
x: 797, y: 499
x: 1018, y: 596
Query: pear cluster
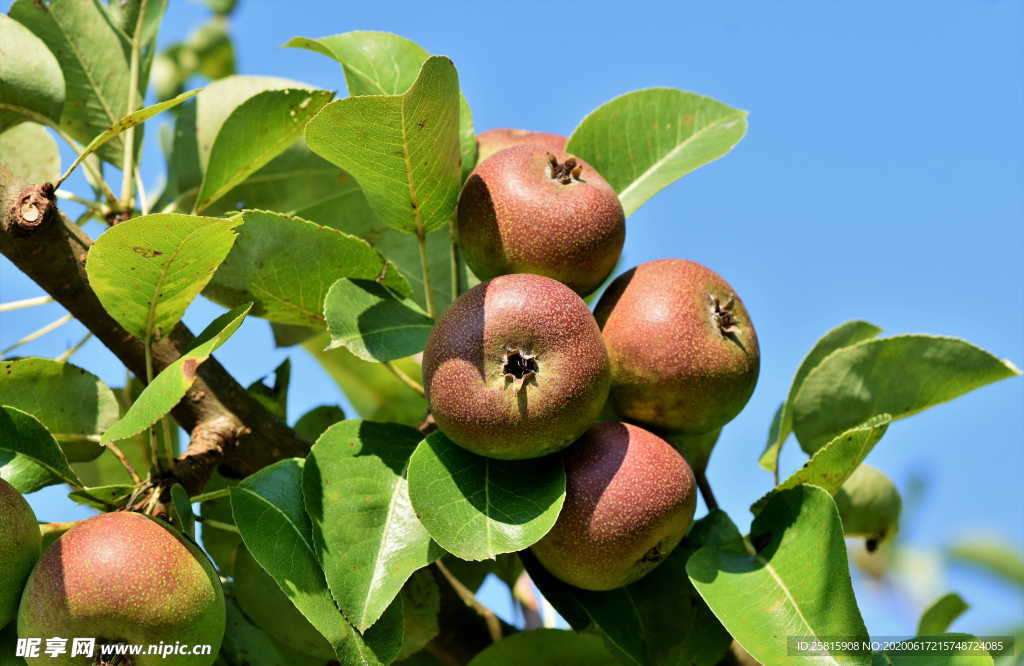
x: 519, y: 367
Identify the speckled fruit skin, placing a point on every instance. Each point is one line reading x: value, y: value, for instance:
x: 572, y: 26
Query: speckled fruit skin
x: 124, y: 577
x: 20, y: 544
x: 513, y: 217
x: 492, y: 141
x: 629, y: 501
x: 478, y: 406
x: 675, y: 364
x: 268, y: 608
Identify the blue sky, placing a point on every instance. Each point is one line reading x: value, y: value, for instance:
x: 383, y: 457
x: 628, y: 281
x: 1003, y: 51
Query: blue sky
x: 881, y: 179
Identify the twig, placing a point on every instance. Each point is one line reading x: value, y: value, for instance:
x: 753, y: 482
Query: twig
x: 404, y: 378
x: 526, y: 596
x: 35, y: 335
x: 25, y: 303
x: 123, y: 459
x: 705, y: 489
x: 428, y: 289
x: 73, y: 349
x: 95, y: 206
x: 211, y: 495
x: 128, y: 162
x: 227, y: 527
x: 141, y: 189
x: 468, y: 598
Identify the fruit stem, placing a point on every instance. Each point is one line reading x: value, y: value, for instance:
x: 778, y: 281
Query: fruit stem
x: 428, y: 290
x: 211, y: 495
x: 227, y: 527
x: 456, y: 262
x: 123, y: 459
x: 404, y: 378
x: 705, y: 490
x: 468, y: 598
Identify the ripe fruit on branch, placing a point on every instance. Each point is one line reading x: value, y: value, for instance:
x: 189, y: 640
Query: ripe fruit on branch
x: 629, y: 500
x: 529, y: 209
x: 268, y: 608
x: 20, y: 541
x: 492, y: 141
x: 123, y: 577
x: 683, y: 350
x: 516, y: 368
x: 869, y: 505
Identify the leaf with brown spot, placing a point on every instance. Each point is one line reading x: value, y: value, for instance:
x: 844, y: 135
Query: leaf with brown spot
x: 170, y: 386
x: 147, y: 271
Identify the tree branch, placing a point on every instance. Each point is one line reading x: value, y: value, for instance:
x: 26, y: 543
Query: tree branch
x: 229, y: 427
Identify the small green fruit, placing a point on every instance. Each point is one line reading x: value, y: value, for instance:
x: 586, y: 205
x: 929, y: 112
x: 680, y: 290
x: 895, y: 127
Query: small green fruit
x: 123, y: 577
x: 683, y: 350
x: 629, y: 500
x: 530, y: 209
x: 869, y: 505
x: 516, y: 368
x: 266, y: 605
x: 20, y: 541
x: 492, y: 141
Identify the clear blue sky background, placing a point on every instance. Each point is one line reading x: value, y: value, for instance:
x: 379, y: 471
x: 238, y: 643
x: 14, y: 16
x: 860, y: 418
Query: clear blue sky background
x: 881, y: 179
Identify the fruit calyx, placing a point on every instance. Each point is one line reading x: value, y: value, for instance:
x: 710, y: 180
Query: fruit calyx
x: 519, y: 366
x: 723, y: 316
x: 564, y: 172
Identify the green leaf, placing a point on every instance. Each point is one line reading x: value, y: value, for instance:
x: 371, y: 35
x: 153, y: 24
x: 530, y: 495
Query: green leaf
x: 220, y: 99
x: 380, y: 63
x: 183, y: 518
x: 245, y: 643
x: 131, y: 120
x: 546, y: 647
x: 313, y: 423
x: 106, y: 470
x: 24, y: 435
x: 94, y: 62
x: 274, y: 398
x: 33, y: 87
x: 374, y: 392
x: 793, y: 581
x: 269, y: 511
x: 375, y: 63
x: 421, y: 604
x: 28, y: 153
x: 173, y: 382
x: 285, y: 265
x: 257, y: 131
x: 374, y: 323
x: 23, y: 473
x: 147, y: 271
x: 72, y: 403
x: 832, y: 464
x: 103, y: 498
x: 402, y: 149
x: 222, y: 545
x: 841, y: 336
x: 991, y: 554
x: 937, y: 617
x: 659, y: 619
x: 901, y: 376
x: 476, y: 507
x: 368, y: 536
x: 644, y: 140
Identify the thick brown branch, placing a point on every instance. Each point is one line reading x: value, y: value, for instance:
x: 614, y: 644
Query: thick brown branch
x: 229, y: 427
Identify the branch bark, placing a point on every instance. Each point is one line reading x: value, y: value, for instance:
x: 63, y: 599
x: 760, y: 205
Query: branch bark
x: 228, y: 427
